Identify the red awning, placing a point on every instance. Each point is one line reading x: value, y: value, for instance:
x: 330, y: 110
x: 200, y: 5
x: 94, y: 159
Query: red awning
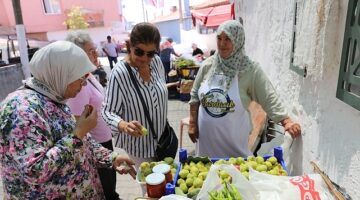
x: 213, y: 16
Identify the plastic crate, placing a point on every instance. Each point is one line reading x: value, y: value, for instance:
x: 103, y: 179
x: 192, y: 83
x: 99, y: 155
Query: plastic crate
x: 278, y: 153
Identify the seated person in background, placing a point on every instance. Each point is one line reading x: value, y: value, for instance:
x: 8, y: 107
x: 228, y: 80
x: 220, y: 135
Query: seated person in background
x: 196, y: 50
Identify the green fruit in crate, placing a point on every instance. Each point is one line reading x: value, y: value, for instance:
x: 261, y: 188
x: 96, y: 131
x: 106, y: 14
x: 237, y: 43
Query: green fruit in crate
x: 180, y: 180
x: 187, y: 167
x: 273, y: 160
x: 244, y: 167
x: 147, y: 171
x: 251, y: 158
x: 190, y: 175
x: 252, y: 164
x: 259, y: 159
x: 261, y: 168
x: 232, y: 161
x: 240, y: 160
x: 184, y: 187
x: 193, y: 192
x: 192, y: 163
x: 152, y: 164
x: 189, y: 182
x: 144, y: 166
x: 268, y: 164
x: 194, y: 170
x: 169, y: 160
x: 200, y: 164
x: 198, y: 182
x: 183, y: 173
x: 203, y: 175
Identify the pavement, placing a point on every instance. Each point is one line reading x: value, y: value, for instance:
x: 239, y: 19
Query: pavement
x: 127, y: 187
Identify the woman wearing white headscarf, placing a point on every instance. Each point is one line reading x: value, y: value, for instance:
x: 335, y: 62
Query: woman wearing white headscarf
x: 224, y: 87
x: 44, y: 153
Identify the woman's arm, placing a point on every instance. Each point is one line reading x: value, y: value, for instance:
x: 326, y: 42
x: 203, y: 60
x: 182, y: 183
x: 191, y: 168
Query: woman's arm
x: 267, y: 97
x: 193, y: 122
x: 113, y: 102
x: 32, y: 148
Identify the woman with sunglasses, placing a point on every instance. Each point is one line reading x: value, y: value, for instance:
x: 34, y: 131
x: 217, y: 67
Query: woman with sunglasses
x: 123, y: 110
x: 44, y: 152
x: 93, y: 93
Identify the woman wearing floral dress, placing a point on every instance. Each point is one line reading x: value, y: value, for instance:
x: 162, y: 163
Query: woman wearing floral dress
x: 44, y: 153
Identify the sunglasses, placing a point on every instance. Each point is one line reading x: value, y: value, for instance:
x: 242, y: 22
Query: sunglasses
x: 139, y: 52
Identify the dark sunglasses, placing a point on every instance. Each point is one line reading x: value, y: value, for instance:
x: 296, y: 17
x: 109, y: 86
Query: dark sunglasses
x: 139, y: 52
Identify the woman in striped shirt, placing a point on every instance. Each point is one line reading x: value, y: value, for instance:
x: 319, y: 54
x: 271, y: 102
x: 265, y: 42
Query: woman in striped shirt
x: 123, y: 109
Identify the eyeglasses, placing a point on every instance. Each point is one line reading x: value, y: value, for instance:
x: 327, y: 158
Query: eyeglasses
x: 139, y: 52
x: 84, y: 79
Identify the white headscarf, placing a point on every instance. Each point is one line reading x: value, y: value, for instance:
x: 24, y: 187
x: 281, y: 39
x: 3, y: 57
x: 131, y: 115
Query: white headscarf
x: 237, y: 61
x: 55, y: 66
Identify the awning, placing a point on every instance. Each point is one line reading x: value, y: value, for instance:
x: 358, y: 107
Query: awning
x: 212, y: 16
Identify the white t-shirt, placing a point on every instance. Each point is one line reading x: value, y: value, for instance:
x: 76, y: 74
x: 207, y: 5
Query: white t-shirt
x: 110, y: 49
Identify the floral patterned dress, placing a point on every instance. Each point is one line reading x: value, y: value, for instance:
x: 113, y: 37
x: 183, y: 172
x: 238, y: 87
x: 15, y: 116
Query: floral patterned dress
x: 40, y: 157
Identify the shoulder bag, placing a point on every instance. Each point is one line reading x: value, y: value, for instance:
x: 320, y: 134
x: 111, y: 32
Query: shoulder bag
x: 167, y: 145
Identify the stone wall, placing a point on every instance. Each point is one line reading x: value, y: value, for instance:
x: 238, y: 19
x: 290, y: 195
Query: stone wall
x: 10, y: 79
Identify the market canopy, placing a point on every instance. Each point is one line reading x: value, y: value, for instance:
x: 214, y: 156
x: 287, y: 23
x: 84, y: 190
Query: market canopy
x: 212, y: 16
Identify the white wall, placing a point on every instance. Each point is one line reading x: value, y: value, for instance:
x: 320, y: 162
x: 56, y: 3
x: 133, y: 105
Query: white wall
x: 331, y: 127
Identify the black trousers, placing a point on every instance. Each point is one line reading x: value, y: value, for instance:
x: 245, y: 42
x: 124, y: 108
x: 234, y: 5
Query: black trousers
x: 111, y: 59
x: 108, y: 177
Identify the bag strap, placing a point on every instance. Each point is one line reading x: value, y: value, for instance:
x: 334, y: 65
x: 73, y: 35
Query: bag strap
x: 132, y: 77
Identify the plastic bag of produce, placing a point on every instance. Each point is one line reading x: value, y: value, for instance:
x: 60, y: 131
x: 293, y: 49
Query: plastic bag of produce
x: 213, y: 182
x: 309, y: 186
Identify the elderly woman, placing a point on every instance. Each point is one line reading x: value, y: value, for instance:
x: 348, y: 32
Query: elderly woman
x: 92, y: 93
x: 224, y: 87
x: 123, y: 110
x: 44, y: 152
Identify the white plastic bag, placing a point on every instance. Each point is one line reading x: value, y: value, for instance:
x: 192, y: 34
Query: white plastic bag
x: 309, y: 186
x: 212, y: 181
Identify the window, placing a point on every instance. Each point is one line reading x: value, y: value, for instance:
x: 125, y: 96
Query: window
x: 52, y: 6
x: 348, y: 88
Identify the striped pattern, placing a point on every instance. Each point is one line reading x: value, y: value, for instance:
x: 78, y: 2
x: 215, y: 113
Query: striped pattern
x: 123, y: 103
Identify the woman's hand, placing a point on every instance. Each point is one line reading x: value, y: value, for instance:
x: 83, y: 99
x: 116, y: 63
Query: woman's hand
x: 193, y: 132
x: 86, y: 121
x: 293, y: 128
x: 132, y: 128
x: 124, y: 165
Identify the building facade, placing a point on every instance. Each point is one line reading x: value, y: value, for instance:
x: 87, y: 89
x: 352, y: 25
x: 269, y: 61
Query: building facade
x: 310, y: 82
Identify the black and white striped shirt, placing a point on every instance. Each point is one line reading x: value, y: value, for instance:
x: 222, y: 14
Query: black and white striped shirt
x: 123, y: 103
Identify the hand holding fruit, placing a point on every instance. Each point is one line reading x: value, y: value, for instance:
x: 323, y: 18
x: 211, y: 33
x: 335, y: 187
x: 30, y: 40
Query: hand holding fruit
x: 86, y: 121
x: 133, y: 128
x: 124, y: 165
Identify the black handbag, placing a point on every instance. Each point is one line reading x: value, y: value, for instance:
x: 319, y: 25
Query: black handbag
x: 167, y: 145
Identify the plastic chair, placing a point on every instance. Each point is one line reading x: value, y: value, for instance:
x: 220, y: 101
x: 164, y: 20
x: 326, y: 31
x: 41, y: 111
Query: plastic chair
x: 183, y: 122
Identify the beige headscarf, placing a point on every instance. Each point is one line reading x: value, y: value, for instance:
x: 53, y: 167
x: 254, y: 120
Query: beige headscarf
x: 55, y: 66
